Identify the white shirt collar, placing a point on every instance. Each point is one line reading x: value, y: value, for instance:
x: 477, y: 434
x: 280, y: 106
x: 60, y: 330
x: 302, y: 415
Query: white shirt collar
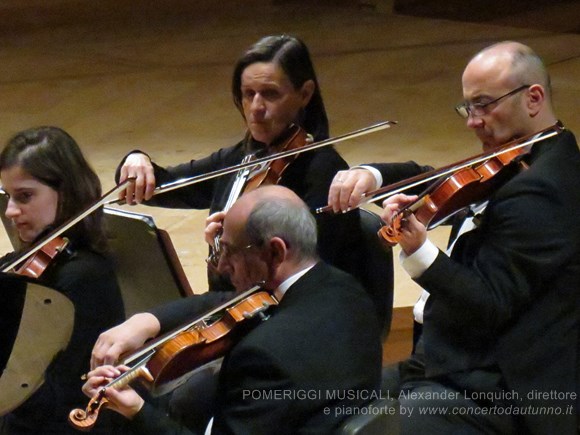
x: 282, y: 288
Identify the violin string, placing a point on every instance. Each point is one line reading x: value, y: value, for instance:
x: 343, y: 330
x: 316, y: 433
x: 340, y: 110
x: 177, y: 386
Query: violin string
x: 129, y: 372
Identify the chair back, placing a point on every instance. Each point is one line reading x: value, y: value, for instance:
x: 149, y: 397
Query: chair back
x: 148, y: 269
x: 376, y: 271
x: 27, y: 345
x: 379, y: 417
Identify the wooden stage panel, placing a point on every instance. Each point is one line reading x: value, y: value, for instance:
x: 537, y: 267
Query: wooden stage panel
x: 122, y: 75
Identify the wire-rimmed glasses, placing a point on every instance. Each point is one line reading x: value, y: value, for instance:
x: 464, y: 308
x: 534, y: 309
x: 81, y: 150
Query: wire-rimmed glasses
x: 479, y: 109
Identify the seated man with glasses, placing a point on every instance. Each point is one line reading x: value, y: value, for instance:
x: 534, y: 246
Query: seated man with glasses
x: 286, y: 375
x: 499, y: 347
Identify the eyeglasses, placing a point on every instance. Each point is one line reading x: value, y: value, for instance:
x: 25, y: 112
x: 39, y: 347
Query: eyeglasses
x: 479, y: 109
x: 226, y: 251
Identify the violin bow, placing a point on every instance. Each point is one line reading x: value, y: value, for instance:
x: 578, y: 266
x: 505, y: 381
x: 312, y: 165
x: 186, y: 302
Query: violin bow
x: 68, y: 224
x: 184, y: 182
x: 403, y: 185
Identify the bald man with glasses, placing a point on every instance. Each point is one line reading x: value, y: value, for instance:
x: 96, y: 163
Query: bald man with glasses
x: 499, y: 348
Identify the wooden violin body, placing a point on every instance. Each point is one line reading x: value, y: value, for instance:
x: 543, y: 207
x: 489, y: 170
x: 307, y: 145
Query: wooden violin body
x: 170, y: 360
x: 468, y: 185
x: 36, y: 264
x: 271, y: 173
x: 204, y: 343
x: 268, y: 173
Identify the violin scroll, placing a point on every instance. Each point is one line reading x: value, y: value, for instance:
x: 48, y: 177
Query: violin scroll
x: 391, y: 234
x: 85, y: 419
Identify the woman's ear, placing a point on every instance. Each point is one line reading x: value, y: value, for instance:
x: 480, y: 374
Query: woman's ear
x: 307, y: 91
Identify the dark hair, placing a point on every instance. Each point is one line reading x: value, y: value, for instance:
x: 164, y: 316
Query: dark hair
x: 52, y: 156
x: 292, y: 55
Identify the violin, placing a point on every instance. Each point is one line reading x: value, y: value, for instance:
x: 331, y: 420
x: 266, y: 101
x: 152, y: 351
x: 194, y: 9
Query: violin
x: 471, y: 184
x: 294, y: 139
x: 382, y: 193
x: 268, y: 173
x: 253, y: 172
x: 170, y: 360
x: 49, y: 246
x: 36, y: 264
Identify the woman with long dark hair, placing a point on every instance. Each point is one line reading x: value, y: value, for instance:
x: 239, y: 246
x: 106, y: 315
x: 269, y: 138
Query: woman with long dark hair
x: 48, y: 181
x: 274, y: 86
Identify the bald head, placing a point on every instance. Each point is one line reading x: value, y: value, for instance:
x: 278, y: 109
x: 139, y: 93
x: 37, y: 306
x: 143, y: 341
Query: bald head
x: 269, y: 192
x: 511, y: 87
x: 513, y: 62
x: 268, y: 235
x: 242, y: 208
x: 275, y: 211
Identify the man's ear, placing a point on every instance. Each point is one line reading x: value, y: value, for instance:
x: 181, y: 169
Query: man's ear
x: 278, y: 250
x: 536, y: 99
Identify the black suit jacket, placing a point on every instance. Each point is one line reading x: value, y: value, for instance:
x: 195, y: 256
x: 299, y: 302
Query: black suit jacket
x: 507, y: 299
x: 301, y: 371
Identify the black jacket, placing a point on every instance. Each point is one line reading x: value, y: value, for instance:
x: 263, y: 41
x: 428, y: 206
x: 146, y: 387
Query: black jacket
x: 89, y: 281
x: 507, y: 300
x: 303, y: 370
